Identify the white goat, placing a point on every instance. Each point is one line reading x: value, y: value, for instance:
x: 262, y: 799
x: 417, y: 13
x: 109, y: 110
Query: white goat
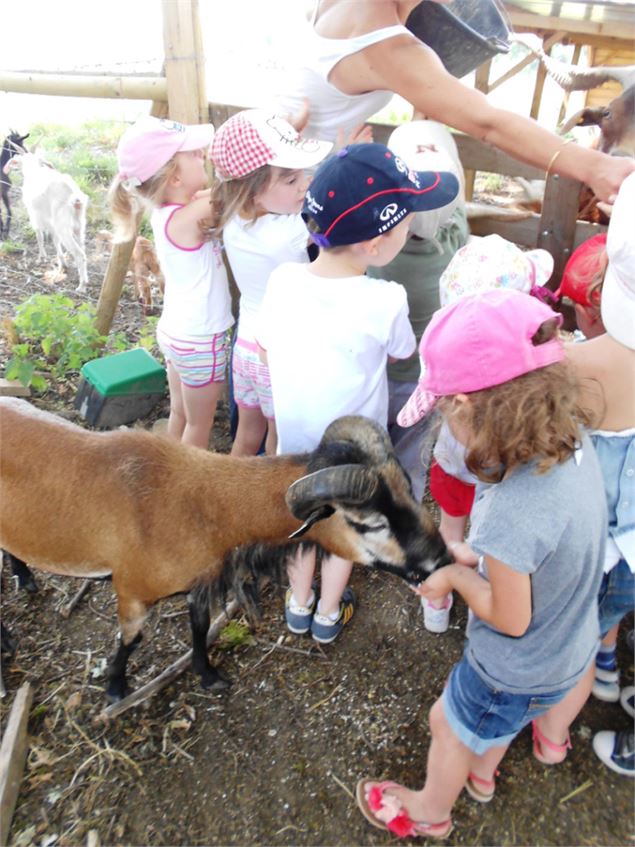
x: 57, y: 207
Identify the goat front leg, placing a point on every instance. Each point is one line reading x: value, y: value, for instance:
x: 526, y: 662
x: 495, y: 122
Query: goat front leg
x: 20, y: 570
x: 211, y: 678
x: 132, y: 615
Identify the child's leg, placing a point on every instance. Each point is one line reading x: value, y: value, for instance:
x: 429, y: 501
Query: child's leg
x: 252, y: 426
x: 615, y: 601
x: 301, y: 570
x: 176, y: 421
x: 271, y: 444
x: 335, y: 575
x: 448, y: 766
x: 554, y: 724
x: 200, y: 408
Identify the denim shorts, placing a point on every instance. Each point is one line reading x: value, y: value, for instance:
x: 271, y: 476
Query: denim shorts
x: 482, y: 717
x: 617, y: 596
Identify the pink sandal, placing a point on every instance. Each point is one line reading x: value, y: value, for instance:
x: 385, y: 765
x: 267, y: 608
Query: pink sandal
x: 481, y: 790
x: 539, y: 741
x: 386, y: 812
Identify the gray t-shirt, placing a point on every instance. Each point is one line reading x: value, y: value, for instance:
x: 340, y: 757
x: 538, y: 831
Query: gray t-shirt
x: 553, y: 527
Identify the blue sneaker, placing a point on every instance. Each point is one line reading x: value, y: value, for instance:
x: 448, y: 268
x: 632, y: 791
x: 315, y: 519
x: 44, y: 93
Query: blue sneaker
x: 324, y: 630
x: 298, y: 618
x: 616, y: 750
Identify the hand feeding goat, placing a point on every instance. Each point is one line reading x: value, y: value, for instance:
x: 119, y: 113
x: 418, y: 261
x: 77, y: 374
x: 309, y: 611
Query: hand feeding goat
x: 163, y: 518
x: 13, y: 143
x: 57, y: 207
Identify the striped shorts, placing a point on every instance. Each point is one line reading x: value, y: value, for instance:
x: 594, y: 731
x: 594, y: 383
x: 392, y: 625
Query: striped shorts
x: 252, y: 384
x: 198, y: 363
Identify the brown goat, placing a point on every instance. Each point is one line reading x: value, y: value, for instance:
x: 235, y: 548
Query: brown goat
x: 162, y: 518
x: 145, y: 268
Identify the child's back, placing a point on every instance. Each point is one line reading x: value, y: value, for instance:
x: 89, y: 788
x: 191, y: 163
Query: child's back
x: 327, y: 342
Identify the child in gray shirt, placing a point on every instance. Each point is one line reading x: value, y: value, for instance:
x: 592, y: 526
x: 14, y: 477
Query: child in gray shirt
x: 496, y: 365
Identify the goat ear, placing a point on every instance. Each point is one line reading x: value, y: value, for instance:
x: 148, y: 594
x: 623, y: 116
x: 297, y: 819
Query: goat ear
x: 319, y: 514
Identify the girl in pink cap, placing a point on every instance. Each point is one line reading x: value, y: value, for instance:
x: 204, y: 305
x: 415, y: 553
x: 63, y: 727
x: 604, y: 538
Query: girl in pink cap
x: 162, y: 168
x: 495, y: 365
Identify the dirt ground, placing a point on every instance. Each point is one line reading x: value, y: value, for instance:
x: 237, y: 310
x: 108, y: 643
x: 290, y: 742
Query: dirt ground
x: 275, y: 760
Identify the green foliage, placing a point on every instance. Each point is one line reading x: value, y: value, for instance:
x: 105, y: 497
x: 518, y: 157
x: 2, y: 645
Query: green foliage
x: 148, y: 335
x: 55, y: 336
x: 9, y: 247
x: 235, y: 634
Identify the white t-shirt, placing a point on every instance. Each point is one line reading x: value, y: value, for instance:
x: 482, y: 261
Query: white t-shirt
x: 196, y: 301
x: 327, y: 342
x: 254, y: 250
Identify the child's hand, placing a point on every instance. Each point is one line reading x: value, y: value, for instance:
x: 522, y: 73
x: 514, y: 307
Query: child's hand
x: 463, y: 553
x: 436, y: 586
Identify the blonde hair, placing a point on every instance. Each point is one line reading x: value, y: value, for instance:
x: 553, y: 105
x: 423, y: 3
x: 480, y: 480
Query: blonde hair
x: 233, y: 197
x: 534, y: 417
x: 127, y: 204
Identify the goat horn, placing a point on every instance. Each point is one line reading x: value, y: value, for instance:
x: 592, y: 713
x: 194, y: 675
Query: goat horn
x: 350, y: 485
x: 368, y: 435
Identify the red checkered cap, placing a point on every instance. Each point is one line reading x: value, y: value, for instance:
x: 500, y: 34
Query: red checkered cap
x: 239, y: 149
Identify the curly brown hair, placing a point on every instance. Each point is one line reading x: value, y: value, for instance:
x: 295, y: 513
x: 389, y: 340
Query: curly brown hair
x: 534, y: 417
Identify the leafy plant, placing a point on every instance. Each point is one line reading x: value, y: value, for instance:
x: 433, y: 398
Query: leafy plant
x: 235, y: 634
x: 54, y: 336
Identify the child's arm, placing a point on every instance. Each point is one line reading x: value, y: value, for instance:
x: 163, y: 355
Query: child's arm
x: 183, y: 227
x: 504, y: 601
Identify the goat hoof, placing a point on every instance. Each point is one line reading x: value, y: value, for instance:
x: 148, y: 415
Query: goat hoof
x: 116, y: 693
x: 214, y: 680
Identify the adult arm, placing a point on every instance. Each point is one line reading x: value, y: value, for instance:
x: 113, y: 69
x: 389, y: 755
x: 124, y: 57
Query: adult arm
x: 414, y: 71
x: 503, y: 601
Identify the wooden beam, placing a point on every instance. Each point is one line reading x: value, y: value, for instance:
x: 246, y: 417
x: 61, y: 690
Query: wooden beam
x: 547, y: 44
x: 112, y: 285
x: 73, y: 85
x: 184, y: 62
x: 577, y: 50
x: 13, y: 757
x: 541, y: 76
x: 520, y: 19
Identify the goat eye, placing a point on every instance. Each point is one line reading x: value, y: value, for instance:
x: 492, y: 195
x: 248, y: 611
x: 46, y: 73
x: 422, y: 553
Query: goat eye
x: 606, y: 113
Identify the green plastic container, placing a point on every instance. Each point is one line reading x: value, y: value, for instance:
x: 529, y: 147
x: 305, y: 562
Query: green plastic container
x: 118, y: 389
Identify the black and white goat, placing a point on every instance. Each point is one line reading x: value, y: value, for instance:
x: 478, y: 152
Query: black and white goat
x: 162, y: 518
x: 12, y: 144
x: 57, y: 207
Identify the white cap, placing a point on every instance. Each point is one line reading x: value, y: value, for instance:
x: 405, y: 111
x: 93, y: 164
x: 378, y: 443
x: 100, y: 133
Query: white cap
x: 618, y: 291
x: 429, y: 146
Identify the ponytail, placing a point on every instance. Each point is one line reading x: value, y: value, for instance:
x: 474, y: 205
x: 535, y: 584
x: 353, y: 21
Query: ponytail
x: 129, y: 202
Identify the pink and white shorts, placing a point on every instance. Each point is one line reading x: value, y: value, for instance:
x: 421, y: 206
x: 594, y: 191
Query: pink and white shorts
x: 198, y: 363
x: 252, y: 384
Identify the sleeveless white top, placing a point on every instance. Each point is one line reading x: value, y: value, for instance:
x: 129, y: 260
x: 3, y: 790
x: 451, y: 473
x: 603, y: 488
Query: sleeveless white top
x: 196, y: 301
x: 329, y: 108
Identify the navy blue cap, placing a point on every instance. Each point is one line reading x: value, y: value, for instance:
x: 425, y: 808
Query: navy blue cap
x: 365, y: 190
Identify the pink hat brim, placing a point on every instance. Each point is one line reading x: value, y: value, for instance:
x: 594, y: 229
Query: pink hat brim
x: 421, y: 402
x: 196, y: 136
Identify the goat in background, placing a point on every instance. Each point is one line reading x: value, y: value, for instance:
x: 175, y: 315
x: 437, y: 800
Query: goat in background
x: 145, y: 268
x: 162, y: 518
x: 13, y: 143
x: 57, y: 207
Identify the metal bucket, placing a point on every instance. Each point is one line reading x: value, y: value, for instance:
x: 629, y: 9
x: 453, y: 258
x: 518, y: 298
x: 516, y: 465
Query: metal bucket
x: 464, y: 33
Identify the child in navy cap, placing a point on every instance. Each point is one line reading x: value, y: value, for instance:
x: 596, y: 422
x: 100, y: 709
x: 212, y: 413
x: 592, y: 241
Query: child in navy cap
x: 328, y: 330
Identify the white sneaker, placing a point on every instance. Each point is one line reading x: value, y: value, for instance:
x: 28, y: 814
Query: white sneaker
x: 609, y: 692
x: 437, y: 620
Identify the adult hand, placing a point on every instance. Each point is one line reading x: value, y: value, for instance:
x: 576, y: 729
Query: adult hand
x: 362, y: 134
x: 609, y: 175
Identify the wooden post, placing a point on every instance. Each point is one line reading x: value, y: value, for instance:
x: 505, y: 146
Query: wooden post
x: 184, y: 62
x: 565, y: 99
x: 187, y: 102
x: 558, y: 221
x: 13, y: 757
x: 481, y: 83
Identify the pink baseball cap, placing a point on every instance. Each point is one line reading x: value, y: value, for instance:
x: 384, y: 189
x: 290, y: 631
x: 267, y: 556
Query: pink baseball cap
x: 149, y: 144
x: 254, y: 138
x: 478, y: 342
x: 584, y: 263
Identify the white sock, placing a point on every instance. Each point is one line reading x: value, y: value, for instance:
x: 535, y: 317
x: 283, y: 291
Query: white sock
x: 294, y: 603
x: 332, y: 617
